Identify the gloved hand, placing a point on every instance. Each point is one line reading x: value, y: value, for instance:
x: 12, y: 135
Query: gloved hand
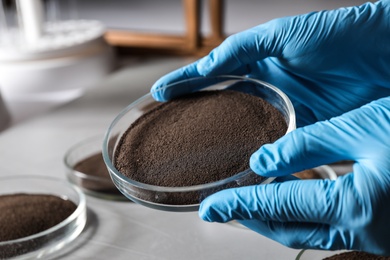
x: 351, y: 212
x: 327, y: 62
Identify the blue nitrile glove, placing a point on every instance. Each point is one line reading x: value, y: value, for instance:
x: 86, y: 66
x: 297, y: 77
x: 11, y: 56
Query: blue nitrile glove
x: 327, y: 62
x: 351, y: 212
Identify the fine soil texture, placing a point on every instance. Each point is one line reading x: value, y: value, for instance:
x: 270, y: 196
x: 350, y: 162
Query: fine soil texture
x: 99, y: 181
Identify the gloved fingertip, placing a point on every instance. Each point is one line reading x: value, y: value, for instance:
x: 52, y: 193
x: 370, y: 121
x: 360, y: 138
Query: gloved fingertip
x: 260, y: 162
x: 204, y: 217
x: 157, y: 90
x: 203, y: 212
x: 208, y: 211
x: 157, y: 95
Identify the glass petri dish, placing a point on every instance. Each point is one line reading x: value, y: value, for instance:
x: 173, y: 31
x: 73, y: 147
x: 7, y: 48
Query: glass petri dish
x: 156, y: 196
x: 320, y: 172
x: 92, y: 177
x: 326, y: 172
x: 46, y: 243
x: 312, y: 254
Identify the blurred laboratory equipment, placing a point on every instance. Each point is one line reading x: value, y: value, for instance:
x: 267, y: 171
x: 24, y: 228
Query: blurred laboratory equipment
x: 48, y: 55
x: 4, y: 115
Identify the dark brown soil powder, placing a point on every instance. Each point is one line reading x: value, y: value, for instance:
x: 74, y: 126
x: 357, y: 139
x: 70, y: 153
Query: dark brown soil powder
x: 22, y: 215
x: 94, y: 166
x: 100, y: 180
x: 196, y: 139
x: 308, y: 175
x: 355, y: 255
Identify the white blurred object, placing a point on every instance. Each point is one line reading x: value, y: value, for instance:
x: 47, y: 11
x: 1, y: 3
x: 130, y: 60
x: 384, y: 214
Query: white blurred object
x: 5, y: 117
x: 54, y: 66
x: 71, y: 59
x: 31, y: 14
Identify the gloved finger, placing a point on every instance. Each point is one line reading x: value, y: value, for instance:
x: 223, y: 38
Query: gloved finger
x: 183, y: 73
x: 286, y: 38
x: 304, y: 148
x: 300, y: 234
x: 186, y: 72
x: 237, y: 55
x: 180, y: 74
x: 326, y: 142
x: 237, y: 52
x: 159, y: 90
x: 291, y: 201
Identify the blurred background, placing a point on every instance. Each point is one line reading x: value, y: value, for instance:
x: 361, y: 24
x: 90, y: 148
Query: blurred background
x: 67, y: 70
x: 51, y: 51
x: 168, y: 15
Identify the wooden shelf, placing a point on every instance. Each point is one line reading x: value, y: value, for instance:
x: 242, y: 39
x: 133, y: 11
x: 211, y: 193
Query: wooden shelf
x: 192, y: 42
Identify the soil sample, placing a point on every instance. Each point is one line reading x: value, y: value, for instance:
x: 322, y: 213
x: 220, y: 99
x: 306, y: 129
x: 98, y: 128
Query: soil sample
x: 23, y: 215
x: 98, y: 179
x: 356, y: 255
x: 308, y: 175
x: 196, y: 139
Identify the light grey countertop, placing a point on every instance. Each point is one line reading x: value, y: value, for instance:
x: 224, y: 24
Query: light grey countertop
x: 123, y: 230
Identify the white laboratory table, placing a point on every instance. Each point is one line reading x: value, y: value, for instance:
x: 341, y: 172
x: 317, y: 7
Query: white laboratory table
x: 123, y: 230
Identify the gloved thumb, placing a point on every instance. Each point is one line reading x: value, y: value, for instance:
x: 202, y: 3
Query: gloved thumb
x: 304, y: 148
x: 339, y: 138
